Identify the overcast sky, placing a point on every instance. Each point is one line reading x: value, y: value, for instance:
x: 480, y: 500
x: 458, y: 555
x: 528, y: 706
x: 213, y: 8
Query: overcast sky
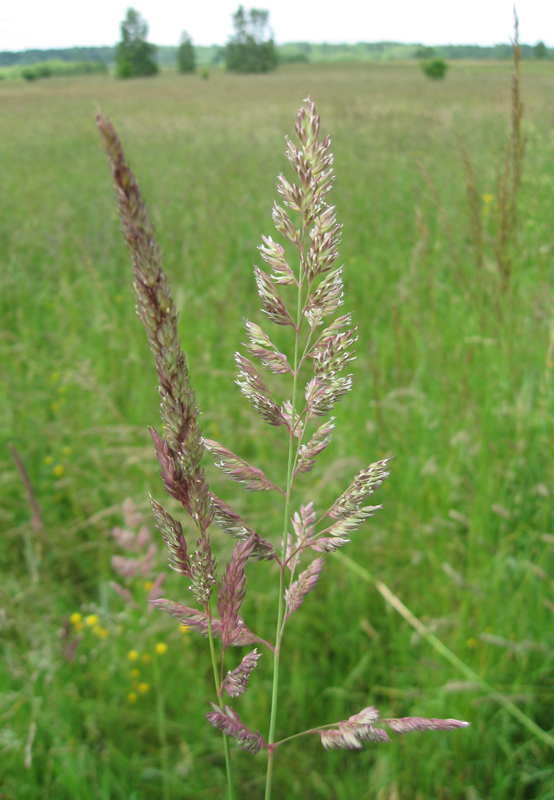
x: 65, y: 23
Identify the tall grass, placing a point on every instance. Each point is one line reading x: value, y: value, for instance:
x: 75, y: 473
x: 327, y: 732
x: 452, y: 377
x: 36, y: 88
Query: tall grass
x: 461, y: 396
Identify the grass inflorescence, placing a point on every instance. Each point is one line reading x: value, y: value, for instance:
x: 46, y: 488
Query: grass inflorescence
x: 461, y: 395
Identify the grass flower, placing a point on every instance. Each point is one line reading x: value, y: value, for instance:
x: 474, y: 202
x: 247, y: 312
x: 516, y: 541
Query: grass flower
x: 315, y: 378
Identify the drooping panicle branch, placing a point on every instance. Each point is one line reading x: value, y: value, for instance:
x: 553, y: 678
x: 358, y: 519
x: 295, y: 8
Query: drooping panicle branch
x: 180, y: 449
x: 361, y: 727
x: 228, y: 721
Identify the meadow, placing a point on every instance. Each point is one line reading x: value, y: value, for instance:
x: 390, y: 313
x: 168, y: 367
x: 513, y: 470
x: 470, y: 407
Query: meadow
x: 453, y: 377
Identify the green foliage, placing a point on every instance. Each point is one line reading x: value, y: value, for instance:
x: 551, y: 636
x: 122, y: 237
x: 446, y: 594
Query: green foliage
x: 134, y: 56
x: 186, y: 59
x: 57, y: 69
x: 251, y: 49
x: 435, y: 69
x: 540, y: 50
x: 424, y: 52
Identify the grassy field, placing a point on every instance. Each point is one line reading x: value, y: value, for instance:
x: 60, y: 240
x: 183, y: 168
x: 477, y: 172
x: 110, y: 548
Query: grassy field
x: 453, y: 377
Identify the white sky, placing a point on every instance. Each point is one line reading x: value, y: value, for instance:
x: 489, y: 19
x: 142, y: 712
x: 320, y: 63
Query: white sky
x: 65, y: 23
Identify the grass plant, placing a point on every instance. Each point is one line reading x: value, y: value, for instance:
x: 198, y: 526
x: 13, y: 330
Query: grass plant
x: 315, y: 292
x: 461, y: 396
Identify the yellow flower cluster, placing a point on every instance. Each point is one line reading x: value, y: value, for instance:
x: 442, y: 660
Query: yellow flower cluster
x: 91, y: 621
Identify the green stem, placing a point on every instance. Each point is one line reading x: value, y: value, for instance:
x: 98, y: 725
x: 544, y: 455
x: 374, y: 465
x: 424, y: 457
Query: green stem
x: 226, y: 747
x: 160, y: 721
x: 441, y: 648
x: 281, y: 610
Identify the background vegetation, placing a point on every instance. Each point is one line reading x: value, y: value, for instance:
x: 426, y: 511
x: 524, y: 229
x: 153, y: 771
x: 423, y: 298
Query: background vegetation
x: 454, y: 377
x: 292, y: 52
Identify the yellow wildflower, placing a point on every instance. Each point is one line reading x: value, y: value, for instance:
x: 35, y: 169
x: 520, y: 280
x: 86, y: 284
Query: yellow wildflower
x: 132, y: 655
x: 99, y: 631
x: 472, y: 643
x: 48, y: 460
x: 488, y: 198
x: 184, y: 628
x: 75, y: 618
x: 148, y: 585
x: 58, y: 470
x: 161, y: 647
x: 135, y: 673
x: 92, y: 620
x: 66, y: 451
x: 147, y: 658
x: 132, y: 697
x: 143, y: 688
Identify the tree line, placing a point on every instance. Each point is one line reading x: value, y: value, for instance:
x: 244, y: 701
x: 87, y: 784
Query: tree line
x: 250, y: 49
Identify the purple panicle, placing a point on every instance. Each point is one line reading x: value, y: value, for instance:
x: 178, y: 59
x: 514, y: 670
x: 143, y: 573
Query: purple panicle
x: 236, y: 682
x: 351, y: 733
x: 307, y: 580
x: 228, y: 721
x: 232, y: 588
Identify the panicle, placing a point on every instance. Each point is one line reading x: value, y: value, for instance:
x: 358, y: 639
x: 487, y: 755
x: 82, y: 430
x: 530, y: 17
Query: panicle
x: 236, y: 682
x: 180, y: 449
x: 317, y: 444
x: 228, y: 721
x: 238, y: 469
x: 131, y: 567
x: 203, y: 571
x: 273, y: 303
x: 172, y: 534
x: 197, y: 621
x: 284, y: 225
x: 307, y: 580
x: 232, y: 589
x: 261, y: 347
x: 256, y: 392
x: 233, y: 524
x: 274, y: 256
x: 325, y: 300
x: 322, y: 396
x: 351, y: 733
x: 365, y: 483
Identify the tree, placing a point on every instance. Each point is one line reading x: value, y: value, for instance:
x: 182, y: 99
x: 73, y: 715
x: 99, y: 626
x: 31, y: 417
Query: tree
x: 540, y: 50
x: 435, y: 68
x: 134, y: 56
x: 186, y: 60
x: 251, y: 48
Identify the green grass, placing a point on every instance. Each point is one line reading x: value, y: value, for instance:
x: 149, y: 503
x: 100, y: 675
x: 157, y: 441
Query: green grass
x: 451, y: 377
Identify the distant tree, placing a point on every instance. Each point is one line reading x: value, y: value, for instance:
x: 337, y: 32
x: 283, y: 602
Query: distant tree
x: 186, y: 60
x: 134, y: 56
x: 422, y: 51
x: 251, y: 48
x: 435, y: 68
x: 540, y: 50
